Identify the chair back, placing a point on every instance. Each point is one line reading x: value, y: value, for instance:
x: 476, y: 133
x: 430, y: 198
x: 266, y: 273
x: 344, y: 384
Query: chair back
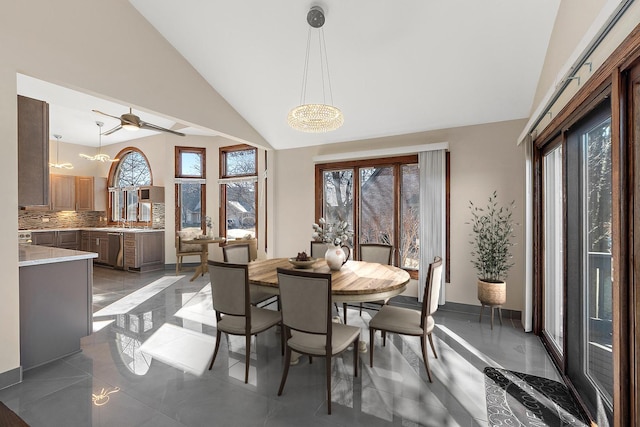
x: 432, y: 289
x: 230, y: 288
x: 305, y: 300
x: 188, y: 234
x: 318, y: 249
x: 236, y: 254
x: 376, y: 252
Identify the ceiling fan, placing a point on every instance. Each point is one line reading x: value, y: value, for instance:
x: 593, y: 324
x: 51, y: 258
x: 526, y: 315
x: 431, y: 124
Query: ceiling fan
x: 130, y: 121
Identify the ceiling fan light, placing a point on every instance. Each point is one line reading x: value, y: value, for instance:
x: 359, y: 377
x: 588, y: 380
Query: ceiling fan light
x: 315, y: 118
x: 130, y: 127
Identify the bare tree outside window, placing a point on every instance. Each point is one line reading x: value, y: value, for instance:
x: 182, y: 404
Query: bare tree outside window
x: 240, y: 194
x: 133, y: 171
x: 377, y: 205
x: 190, y: 190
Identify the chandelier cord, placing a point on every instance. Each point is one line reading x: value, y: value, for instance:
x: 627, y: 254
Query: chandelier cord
x: 323, y: 46
x: 319, y: 116
x: 57, y: 149
x: 305, y: 74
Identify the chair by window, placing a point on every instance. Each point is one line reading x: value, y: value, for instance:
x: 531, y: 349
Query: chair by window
x: 318, y: 249
x: 236, y: 254
x: 375, y: 252
x: 234, y: 313
x: 185, y: 249
x: 240, y: 253
x: 406, y: 321
x: 253, y: 246
x: 305, y: 298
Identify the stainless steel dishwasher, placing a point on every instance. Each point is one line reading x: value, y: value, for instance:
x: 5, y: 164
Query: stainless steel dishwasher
x: 116, y: 250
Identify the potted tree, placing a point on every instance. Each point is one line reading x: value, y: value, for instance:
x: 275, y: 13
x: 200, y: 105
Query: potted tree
x: 492, y: 230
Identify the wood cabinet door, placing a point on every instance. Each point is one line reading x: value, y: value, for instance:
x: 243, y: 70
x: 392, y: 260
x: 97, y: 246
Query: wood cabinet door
x: 84, y: 193
x: 68, y: 239
x: 33, y: 152
x: 151, y: 248
x: 63, y: 192
x: 85, y: 241
x: 43, y: 238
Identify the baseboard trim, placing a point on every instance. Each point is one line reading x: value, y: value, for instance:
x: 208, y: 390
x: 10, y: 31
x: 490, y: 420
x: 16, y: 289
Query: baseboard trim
x: 11, y: 377
x: 454, y: 307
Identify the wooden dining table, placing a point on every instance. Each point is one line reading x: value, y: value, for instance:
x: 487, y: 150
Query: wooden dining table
x: 356, y: 281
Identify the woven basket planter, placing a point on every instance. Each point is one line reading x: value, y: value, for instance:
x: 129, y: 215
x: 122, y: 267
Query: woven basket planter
x: 490, y: 293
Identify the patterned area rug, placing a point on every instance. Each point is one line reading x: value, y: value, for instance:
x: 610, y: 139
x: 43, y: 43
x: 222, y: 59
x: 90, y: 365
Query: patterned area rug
x: 517, y: 399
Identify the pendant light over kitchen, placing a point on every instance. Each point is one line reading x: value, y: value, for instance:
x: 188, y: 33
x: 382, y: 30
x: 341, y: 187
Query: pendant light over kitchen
x: 57, y: 164
x: 99, y: 157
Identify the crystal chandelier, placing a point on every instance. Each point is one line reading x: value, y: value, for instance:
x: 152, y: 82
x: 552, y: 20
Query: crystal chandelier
x: 99, y: 157
x: 57, y: 164
x: 318, y: 117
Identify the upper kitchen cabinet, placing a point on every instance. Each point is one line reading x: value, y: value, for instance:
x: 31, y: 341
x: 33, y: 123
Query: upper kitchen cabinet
x: 84, y: 193
x: 78, y: 193
x: 63, y: 192
x: 33, y: 153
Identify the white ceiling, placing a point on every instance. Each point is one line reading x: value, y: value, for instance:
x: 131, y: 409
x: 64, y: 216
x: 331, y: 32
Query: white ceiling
x: 71, y: 115
x: 396, y: 67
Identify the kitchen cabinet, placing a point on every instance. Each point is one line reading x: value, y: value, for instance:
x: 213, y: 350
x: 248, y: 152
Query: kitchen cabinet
x: 99, y: 243
x: 33, y: 153
x: 63, y: 192
x: 43, y: 238
x: 151, y: 194
x: 55, y: 305
x: 66, y: 239
x: 144, y: 250
x: 78, y: 193
x: 84, y: 193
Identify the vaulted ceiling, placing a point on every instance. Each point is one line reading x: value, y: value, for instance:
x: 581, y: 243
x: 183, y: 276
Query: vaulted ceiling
x: 396, y: 67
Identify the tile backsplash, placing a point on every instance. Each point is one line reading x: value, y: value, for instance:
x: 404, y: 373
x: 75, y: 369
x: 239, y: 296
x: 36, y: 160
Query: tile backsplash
x: 31, y: 220
x: 34, y: 220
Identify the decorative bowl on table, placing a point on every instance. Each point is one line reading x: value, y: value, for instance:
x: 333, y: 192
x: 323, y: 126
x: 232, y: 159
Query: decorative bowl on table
x: 302, y: 263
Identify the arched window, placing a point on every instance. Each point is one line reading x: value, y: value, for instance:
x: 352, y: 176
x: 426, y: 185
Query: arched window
x: 126, y: 177
x: 132, y: 170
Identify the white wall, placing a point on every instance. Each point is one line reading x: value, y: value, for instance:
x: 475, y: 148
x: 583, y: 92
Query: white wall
x: 573, y: 20
x: 484, y: 158
x: 106, y: 49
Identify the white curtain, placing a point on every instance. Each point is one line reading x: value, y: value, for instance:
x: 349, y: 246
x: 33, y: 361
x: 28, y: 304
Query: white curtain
x: 432, y: 215
x: 527, y: 316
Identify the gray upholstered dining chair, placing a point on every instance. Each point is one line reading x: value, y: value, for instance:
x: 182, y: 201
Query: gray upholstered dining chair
x: 376, y: 252
x: 318, y: 249
x: 234, y: 313
x: 236, y: 254
x: 305, y: 298
x: 240, y: 254
x: 406, y: 321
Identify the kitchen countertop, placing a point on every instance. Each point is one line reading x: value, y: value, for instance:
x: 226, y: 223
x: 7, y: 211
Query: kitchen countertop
x: 37, y: 255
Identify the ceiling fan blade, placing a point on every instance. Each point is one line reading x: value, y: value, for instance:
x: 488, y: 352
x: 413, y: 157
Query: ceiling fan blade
x: 105, y: 114
x: 110, y: 131
x: 150, y: 126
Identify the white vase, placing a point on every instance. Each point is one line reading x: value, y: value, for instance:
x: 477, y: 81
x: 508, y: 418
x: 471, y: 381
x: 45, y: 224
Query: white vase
x: 336, y: 256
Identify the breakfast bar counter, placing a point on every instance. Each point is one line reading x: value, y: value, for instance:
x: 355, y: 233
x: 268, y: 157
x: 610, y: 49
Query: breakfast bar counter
x: 55, y: 302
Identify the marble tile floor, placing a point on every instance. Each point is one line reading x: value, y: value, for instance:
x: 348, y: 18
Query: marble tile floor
x: 146, y: 364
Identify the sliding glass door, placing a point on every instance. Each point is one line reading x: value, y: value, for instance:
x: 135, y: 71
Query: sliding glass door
x: 588, y: 351
x: 553, y: 250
